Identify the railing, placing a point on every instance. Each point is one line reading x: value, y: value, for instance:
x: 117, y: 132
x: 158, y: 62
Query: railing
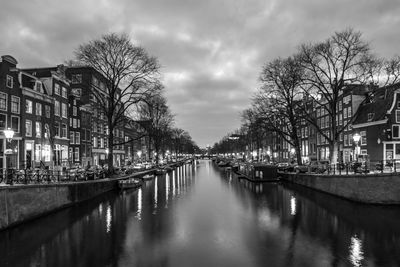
x: 350, y: 168
x: 43, y: 176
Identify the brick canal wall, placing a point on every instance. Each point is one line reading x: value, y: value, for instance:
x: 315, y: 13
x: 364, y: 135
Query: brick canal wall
x: 371, y: 188
x: 25, y: 202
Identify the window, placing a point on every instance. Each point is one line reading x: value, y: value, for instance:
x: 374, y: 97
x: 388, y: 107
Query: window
x: 94, y: 127
x: 101, y: 142
x: 38, y: 86
x: 72, y: 137
x: 15, y: 104
x: 395, y: 131
x: 74, y: 123
x: 70, y: 122
x: 46, y: 131
x: 10, y: 81
x: 78, y: 122
x: 28, y: 106
x: 78, y: 138
x: 64, y: 111
x: 340, y: 105
x: 363, y: 137
x: 83, y: 135
x: 57, y: 129
x: 3, y: 121
x: 94, y: 141
x: 3, y: 101
x: 57, y: 89
x: 28, y: 128
x: 64, y: 131
x: 371, y: 116
x: 56, y: 108
x: 346, y: 141
x: 102, y: 86
x: 345, y: 113
x: 46, y: 153
x: 38, y: 129
x: 349, y: 112
x: 47, y: 110
x: 76, y: 78
x: 15, y: 123
x: 38, y: 109
x: 77, y: 92
x: 76, y: 154
x: 38, y: 152
x: 64, y: 92
x: 74, y: 111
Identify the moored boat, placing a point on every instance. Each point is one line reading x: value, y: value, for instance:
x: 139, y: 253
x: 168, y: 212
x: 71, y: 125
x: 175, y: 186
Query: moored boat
x: 148, y: 176
x: 129, y: 183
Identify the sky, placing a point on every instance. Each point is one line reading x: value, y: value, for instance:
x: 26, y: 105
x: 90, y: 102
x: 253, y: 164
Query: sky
x: 211, y: 51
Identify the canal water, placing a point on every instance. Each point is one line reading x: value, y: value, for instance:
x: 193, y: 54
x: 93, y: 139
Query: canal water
x: 200, y: 215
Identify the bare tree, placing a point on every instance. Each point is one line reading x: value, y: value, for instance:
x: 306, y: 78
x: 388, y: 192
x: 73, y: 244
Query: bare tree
x: 278, y: 102
x: 130, y: 73
x: 160, y: 117
x: 329, y: 67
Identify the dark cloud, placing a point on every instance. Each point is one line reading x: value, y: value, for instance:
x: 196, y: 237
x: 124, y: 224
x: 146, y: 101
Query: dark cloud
x: 211, y: 51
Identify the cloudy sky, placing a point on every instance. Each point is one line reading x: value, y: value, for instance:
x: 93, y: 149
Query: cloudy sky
x: 211, y: 50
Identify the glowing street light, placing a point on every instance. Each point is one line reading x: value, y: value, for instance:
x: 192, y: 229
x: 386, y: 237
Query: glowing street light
x: 356, y: 139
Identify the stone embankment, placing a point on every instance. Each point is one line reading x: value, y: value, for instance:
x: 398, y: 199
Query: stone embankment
x: 380, y: 188
x: 21, y: 203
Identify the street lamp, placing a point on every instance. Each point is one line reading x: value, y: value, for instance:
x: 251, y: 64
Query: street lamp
x: 356, y: 139
x: 9, y: 134
x: 139, y: 153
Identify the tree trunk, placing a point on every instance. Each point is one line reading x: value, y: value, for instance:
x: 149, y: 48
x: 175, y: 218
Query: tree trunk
x: 334, y: 152
x: 110, y: 152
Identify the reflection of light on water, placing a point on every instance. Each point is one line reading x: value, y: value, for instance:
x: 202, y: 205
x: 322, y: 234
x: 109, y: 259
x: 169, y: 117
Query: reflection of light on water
x: 293, y: 205
x: 166, y: 189
x: 356, y: 251
x: 101, y: 209
x: 108, y: 218
x: 139, y: 204
x: 155, y: 192
x: 173, y: 184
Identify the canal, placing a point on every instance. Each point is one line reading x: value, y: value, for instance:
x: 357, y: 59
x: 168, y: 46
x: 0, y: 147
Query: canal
x: 203, y: 216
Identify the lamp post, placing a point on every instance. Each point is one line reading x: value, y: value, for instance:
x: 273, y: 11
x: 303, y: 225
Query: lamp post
x: 356, y: 139
x: 139, y: 153
x: 292, y: 153
x: 9, y: 134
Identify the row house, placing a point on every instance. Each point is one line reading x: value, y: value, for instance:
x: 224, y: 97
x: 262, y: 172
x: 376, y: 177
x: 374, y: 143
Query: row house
x: 10, y: 113
x: 89, y: 85
x: 378, y: 123
x: 50, y: 107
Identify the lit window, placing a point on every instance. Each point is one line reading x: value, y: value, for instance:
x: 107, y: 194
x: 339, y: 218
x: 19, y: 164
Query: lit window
x: 28, y: 128
x: 77, y: 138
x: 38, y: 109
x: 64, y: 131
x: 38, y: 129
x: 57, y: 129
x: 28, y: 106
x: 64, y: 110
x: 57, y: 89
x: 56, y: 108
x: 64, y: 92
x: 76, y: 154
x: 38, y: 152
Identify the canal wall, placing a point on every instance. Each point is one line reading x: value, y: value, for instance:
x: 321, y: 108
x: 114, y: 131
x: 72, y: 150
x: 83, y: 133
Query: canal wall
x: 21, y: 203
x: 365, y: 188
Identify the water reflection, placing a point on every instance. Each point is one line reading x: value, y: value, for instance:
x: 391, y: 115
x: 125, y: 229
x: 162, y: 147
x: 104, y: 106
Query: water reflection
x: 202, y: 216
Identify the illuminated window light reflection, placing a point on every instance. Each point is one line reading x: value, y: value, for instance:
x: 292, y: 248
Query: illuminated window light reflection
x: 293, y: 205
x: 166, y: 189
x: 356, y: 251
x: 139, y: 203
x: 155, y: 193
x: 108, y: 219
